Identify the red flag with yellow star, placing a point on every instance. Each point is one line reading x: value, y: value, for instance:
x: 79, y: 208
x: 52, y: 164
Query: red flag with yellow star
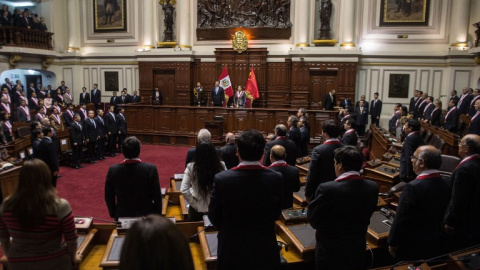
x: 252, y: 86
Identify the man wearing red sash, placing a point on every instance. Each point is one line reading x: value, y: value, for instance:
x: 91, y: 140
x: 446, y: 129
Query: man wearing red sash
x: 462, y: 219
x: 132, y: 187
x: 411, y: 143
x: 23, y: 112
x: 416, y: 231
x: 291, y: 179
x: 340, y: 213
x: 241, y: 190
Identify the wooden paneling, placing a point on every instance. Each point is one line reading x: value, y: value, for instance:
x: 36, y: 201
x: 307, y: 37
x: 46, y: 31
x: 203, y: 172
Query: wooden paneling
x: 173, y: 124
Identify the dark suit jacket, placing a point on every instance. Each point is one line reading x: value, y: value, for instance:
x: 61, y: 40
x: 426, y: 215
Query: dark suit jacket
x: 160, y: 99
x: 47, y: 151
x: 122, y: 124
x: 191, y: 154
x: 328, y: 104
x: 435, y: 117
x: 290, y: 150
x: 376, y: 110
x: 291, y: 182
x: 101, y: 130
x: 392, y: 124
x: 111, y: 123
x: 30, y: 91
x: 90, y: 130
x: 239, y: 191
x: 418, y: 112
x: 135, y: 99
x: 35, y: 146
x: 68, y: 119
x: 345, y: 104
x: 321, y: 168
x: 451, y: 123
x: 462, y: 213
x: 411, y: 107
x: 416, y: 228
x: 361, y: 119
x: 296, y: 137
x: 21, y: 115
x: 133, y: 190
x: 471, y: 106
x: 219, y: 97
x: 304, y: 140
x: 456, y: 98
x: 114, y: 100
x: 365, y: 104
x: 340, y: 213
x: 463, y: 107
x: 411, y: 143
x: 85, y: 100
x: 427, y: 112
x: 25, y: 22
x: 350, y: 138
x: 229, y: 155
x: 32, y: 105
x: 475, y: 126
x: 122, y: 99
x: 76, y: 134
x: 5, y: 21
x: 97, y: 97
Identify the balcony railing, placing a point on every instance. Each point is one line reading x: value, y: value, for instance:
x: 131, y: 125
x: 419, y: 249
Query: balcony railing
x: 23, y: 37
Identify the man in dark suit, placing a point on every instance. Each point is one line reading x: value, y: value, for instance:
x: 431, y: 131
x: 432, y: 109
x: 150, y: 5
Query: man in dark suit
x: 25, y: 21
x: 91, y: 136
x: 281, y: 139
x: 68, y: 115
x: 157, y: 97
x: 84, y: 96
x: 428, y: 109
x: 417, y: 105
x: 321, y: 166
x: 462, y: 218
x: 392, y: 124
x: 47, y: 151
x: 101, y: 134
x: 294, y: 134
x: 239, y: 190
x: 30, y: 90
x: 33, y: 102
x: 361, y: 117
x: 330, y: 100
x: 291, y: 178
x: 421, y: 106
x: 122, y: 127
x: 415, y: 232
x: 96, y: 96
x: 451, y: 118
x: 350, y: 136
x: 411, y: 143
x: 365, y: 103
x: 82, y: 111
x: 123, y: 97
x: 229, y: 151
x: 7, y: 85
x: 114, y: 100
x: 345, y: 103
x: 203, y: 136
x: 475, y: 122
x: 77, y: 139
x: 4, y: 20
x: 465, y: 99
x: 112, y: 130
x: 36, y: 137
x: 471, y: 107
x: 340, y: 213
x: 453, y: 95
x: 135, y: 97
x: 132, y: 187
x: 304, y: 136
x: 218, y: 95
x: 23, y: 112
x: 375, y: 110
x: 62, y: 87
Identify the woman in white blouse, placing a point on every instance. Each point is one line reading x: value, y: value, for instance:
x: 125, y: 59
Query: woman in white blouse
x: 198, y: 179
x: 48, y: 101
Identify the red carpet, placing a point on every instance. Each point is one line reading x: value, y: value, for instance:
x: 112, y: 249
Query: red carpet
x: 84, y: 188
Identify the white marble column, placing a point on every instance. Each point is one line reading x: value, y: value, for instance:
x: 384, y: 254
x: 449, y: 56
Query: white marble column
x: 149, y: 7
x: 302, y: 17
x: 347, y: 37
x: 459, y: 23
x: 183, y: 24
x: 73, y: 21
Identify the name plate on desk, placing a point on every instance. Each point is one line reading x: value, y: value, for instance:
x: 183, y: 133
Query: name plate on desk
x: 292, y: 216
x: 124, y: 224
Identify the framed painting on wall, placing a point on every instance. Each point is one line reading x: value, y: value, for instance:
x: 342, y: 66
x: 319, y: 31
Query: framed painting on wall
x: 109, y: 16
x: 111, y: 81
x: 404, y: 12
x: 398, y: 85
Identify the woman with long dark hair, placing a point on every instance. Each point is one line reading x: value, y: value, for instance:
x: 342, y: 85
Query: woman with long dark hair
x: 40, y: 224
x: 155, y: 243
x: 198, y: 179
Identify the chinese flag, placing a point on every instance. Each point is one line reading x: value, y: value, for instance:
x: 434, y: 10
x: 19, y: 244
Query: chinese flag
x: 225, y: 82
x: 252, y: 86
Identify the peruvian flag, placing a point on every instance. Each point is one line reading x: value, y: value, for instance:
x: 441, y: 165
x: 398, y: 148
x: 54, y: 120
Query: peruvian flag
x: 252, y: 86
x: 225, y: 82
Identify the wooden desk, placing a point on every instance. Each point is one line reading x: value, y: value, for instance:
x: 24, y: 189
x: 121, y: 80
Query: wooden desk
x: 451, y: 139
x: 9, y: 181
x: 424, y: 266
x: 300, y: 236
x: 111, y: 257
x: 383, y: 175
x: 174, y: 205
x: 378, y: 143
x: 455, y: 264
x: 377, y: 232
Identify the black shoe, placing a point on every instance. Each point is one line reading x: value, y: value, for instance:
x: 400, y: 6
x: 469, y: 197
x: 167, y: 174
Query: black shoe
x: 77, y: 167
x: 81, y: 166
x: 91, y: 162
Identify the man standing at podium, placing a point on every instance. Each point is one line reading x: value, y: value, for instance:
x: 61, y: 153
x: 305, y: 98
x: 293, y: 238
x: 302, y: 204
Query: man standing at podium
x: 252, y: 191
x: 341, y: 212
x: 218, y: 95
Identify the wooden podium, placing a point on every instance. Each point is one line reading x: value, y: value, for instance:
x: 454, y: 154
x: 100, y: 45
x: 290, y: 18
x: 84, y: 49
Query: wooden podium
x: 216, y: 129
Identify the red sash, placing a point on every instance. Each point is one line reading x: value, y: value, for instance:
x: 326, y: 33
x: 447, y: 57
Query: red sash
x: 475, y: 116
x: 350, y: 177
x: 451, y: 110
x: 467, y: 159
x: 131, y: 161
x: 427, y: 176
x: 281, y: 138
x: 332, y: 142
x: 350, y: 131
x: 249, y: 167
x: 56, y: 118
x: 279, y: 165
x: 9, y: 126
x: 7, y: 108
x: 70, y: 113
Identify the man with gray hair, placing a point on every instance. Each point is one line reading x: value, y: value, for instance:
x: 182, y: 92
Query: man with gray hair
x: 229, y: 151
x: 281, y: 139
x: 203, y: 136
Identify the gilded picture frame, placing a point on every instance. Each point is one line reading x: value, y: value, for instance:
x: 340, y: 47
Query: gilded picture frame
x: 404, y: 12
x: 109, y: 16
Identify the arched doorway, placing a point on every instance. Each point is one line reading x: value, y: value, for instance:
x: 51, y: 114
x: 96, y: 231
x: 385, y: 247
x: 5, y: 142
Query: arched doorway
x: 27, y: 76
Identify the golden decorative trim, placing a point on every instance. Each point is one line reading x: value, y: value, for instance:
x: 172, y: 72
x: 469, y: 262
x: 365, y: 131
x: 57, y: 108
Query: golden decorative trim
x: 325, y: 42
x: 162, y: 2
x: 459, y: 44
x: 417, y: 64
x: 347, y: 44
x: 148, y: 47
x: 239, y: 42
x: 171, y: 44
x: 185, y: 46
x: 477, y: 59
x: 14, y: 59
x: 302, y: 45
x: 73, y: 49
x: 46, y: 62
x: 94, y: 63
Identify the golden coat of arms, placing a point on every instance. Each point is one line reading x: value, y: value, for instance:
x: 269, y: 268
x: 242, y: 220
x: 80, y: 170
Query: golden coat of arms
x: 240, y: 42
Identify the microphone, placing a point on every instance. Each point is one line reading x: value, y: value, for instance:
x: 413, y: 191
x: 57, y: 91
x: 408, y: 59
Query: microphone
x: 202, y: 230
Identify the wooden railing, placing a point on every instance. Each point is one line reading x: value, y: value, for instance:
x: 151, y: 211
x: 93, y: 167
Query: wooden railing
x: 23, y: 37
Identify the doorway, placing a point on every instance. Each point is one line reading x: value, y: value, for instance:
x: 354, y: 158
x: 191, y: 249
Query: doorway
x: 165, y: 81
x: 35, y: 79
x: 321, y: 82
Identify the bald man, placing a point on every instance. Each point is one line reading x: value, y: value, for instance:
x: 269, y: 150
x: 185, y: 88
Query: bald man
x: 415, y: 233
x: 281, y: 139
x: 291, y: 180
x: 229, y: 151
x: 462, y: 219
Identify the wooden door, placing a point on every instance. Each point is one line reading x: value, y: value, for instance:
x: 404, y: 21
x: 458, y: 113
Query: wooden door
x: 165, y: 81
x: 321, y: 82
